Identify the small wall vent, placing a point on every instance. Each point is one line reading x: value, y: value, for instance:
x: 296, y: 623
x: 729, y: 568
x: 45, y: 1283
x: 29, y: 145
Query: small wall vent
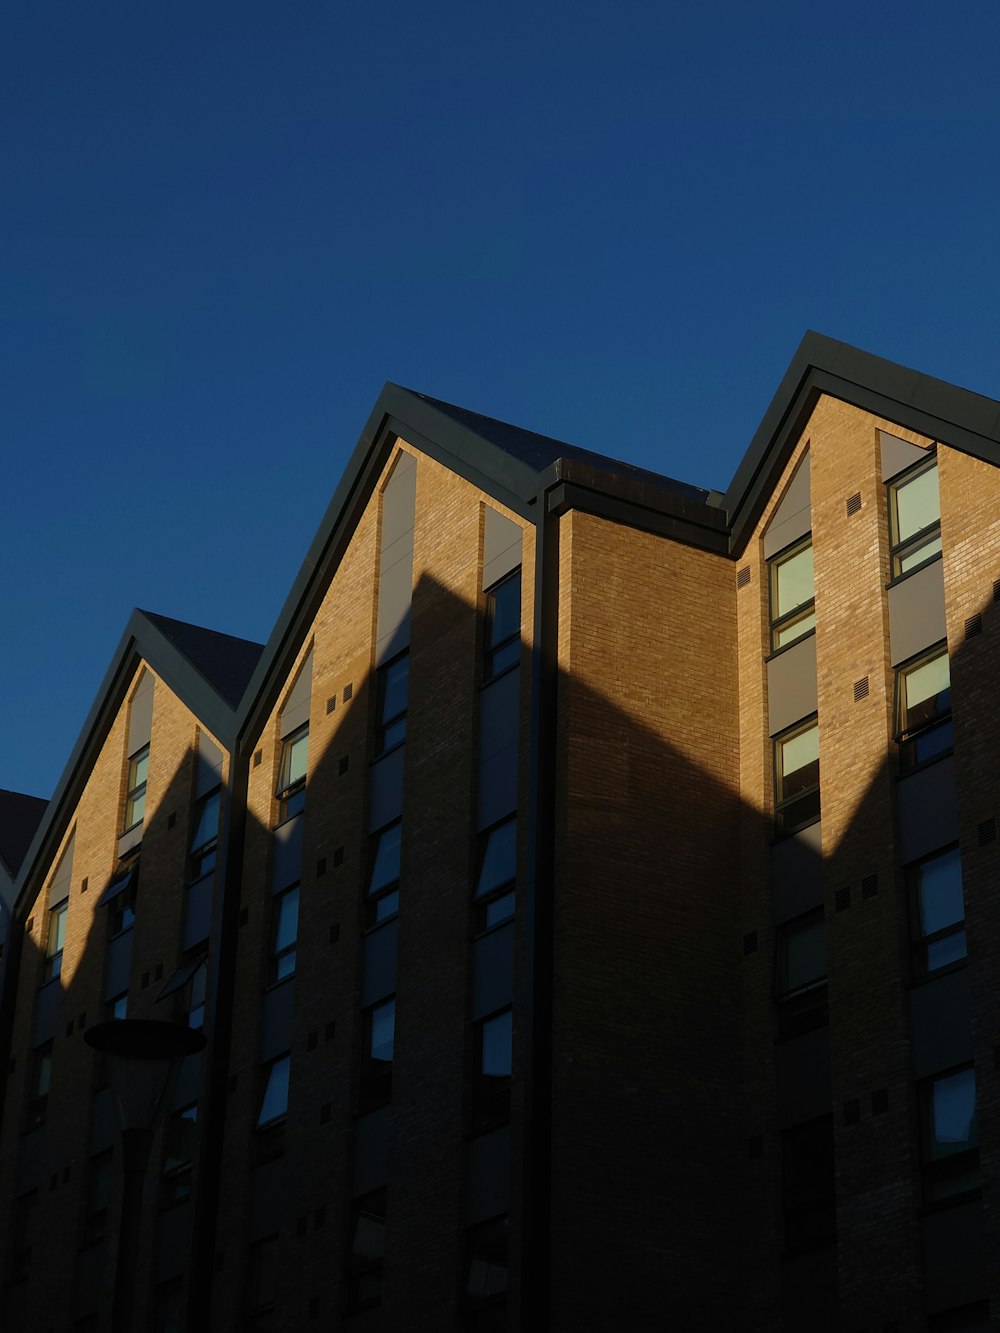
x: 842, y: 899
x: 880, y: 1101
x: 987, y: 831
x: 861, y: 689
x: 854, y: 504
x: 348, y: 691
x: 869, y: 886
x: 852, y: 1111
x: 331, y: 703
x: 258, y: 755
x: 743, y: 577
x: 974, y: 625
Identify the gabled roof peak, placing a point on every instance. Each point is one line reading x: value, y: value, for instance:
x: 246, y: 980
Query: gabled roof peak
x: 226, y: 662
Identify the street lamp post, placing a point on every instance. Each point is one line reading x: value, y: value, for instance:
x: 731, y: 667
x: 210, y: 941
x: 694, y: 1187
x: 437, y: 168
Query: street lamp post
x: 143, y: 1059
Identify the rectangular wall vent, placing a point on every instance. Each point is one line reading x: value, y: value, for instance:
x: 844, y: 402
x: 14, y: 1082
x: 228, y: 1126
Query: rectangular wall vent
x: 987, y: 831
x: 331, y: 703
x: 842, y: 899
x: 755, y: 1147
x: 996, y: 590
x: 869, y: 886
x: 974, y: 625
x: 749, y: 943
x: 743, y: 577
x: 852, y: 1111
x: 854, y: 504
x: 880, y: 1101
x: 861, y: 689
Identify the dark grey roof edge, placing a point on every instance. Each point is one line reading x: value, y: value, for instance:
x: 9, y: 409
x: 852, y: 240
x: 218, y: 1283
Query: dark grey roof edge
x: 142, y: 640
x: 969, y: 421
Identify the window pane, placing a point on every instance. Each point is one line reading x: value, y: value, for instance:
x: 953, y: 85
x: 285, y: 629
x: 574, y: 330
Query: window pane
x: 385, y: 867
x: 926, y: 692
x: 499, y: 858
x: 501, y: 909
x: 503, y: 610
x: 793, y: 583
x: 953, y: 1124
x: 789, y: 633
x: 940, y: 953
x: 917, y: 504
x: 805, y: 954
x: 798, y: 763
x: 294, y: 759
x: 207, y: 826
x: 385, y: 907
x: 287, y: 925
x: 383, y: 1030
x: 939, y: 892
x: 918, y: 555
x: 393, y: 687
x: 497, y: 1039
x: 274, y: 1103
x: 136, y: 811
x: 57, y: 928
x: 138, y: 768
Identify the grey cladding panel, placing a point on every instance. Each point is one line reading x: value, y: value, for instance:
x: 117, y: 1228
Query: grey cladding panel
x: 140, y: 714
x: 48, y: 1008
x: 395, y: 584
x: 805, y: 1089
x: 501, y: 546
x: 130, y: 840
x: 399, y: 499
x: 295, y: 710
x: 797, y: 873
x: 793, y: 518
x: 268, y: 1199
x: 386, y: 792
x: 954, y: 1247
x: 791, y: 685
x: 378, y: 964
x: 897, y: 454
x: 493, y: 971
x: 174, y: 1244
x: 395, y: 596
x: 198, y: 911
x: 118, y: 965
x: 276, y: 1019
x: 63, y: 878
x: 209, y: 773
x: 927, y: 810
x: 371, y: 1151
x: 488, y: 1183
x: 916, y: 612
x: 286, y: 853
x: 940, y: 1024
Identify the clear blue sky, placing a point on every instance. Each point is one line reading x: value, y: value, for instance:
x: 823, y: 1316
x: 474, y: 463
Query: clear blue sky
x: 225, y: 225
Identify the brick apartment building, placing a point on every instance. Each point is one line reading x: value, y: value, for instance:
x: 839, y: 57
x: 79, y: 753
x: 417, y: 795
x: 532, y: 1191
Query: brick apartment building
x: 587, y: 895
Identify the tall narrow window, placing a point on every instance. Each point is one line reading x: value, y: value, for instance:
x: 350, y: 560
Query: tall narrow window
x: 95, y: 1216
x: 494, y: 895
x: 796, y: 777
x: 41, y: 1078
x: 367, y: 1250
x: 491, y: 1088
x: 486, y: 1272
x: 273, y: 1108
x: 56, y: 941
x: 808, y: 1181
x: 291, y: 793
x: 792, y: 608
x: 20, y: 1239
x: 502, y: 637
x: 180, y: 1137
x: 923, y: 709
x: 392, y: 701
x: 204, y: 836
x: 135, y: 789
x: 383, y: 882
x: 376, y: 1065
x: 915, y: 517
x: 284, y: 933
x: 800, y: 981
x: 937, y: 911
x: 120, y: 898
x: 950, y: 1135
x: 261, y: 1285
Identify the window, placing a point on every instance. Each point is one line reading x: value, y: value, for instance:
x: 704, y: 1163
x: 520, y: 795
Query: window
x: 491, y: 1087
x: 796, y: 777
x: 205, y: 836
x: 792, y: 609
x: 95, y: 1216
x: 120, y: 899
x: 196, y: 991
x: 800, y: 980
x: 284, y: 933
x: 808, y: 1185
x: 915, y: 517
x: 41, y: 1079
x: 486, y: 1270
x: 367, y: 1250
x: 502, y: 630
x: 274, y: 1100
x: 383, y: 882
x: 180, y: 1137
x: 937, y: 911
x: 923, y: 710
x: 168, y: 1308
x: 392, y: 700
x: 135, y: 789
x: 291, y: 791
x: 376, y: 1065
x: 20, y: 1239
x: 261, y: 1285
x: 117, y: 1008
x: 494, y: 895
x: 56, y: 941
x: 950, y: 1128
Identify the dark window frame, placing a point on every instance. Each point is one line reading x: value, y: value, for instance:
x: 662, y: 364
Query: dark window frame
x: 41, y: 1081
x: 280, y: 954
x: 484, y: 1244
x: 376, y: 1075
x: 802, y: 1007
x: 487, y: 902
x: 490, y: 1092
x: 803, y: 612
x: 500, y: 657
x: 922, y: 743
x: 802, y: 808
x: 58, y: 915
x: 920, y: 942
x: 943, y: 1185
x: 290, y: 792
x: 207, y: 848
x: 364, y: 1270
x: 810, y: 1215
x: 390, y: 728
x: 135, y: 789
x: 177, y: 1170
x: 902, y: 549
x: 386, y: 894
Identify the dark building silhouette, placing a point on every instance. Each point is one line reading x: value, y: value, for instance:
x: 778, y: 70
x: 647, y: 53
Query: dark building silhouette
x: 587, y: 895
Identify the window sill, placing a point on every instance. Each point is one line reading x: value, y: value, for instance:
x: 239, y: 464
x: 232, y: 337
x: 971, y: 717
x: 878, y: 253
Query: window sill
x: 897, y: 579
x: 787, y: 647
